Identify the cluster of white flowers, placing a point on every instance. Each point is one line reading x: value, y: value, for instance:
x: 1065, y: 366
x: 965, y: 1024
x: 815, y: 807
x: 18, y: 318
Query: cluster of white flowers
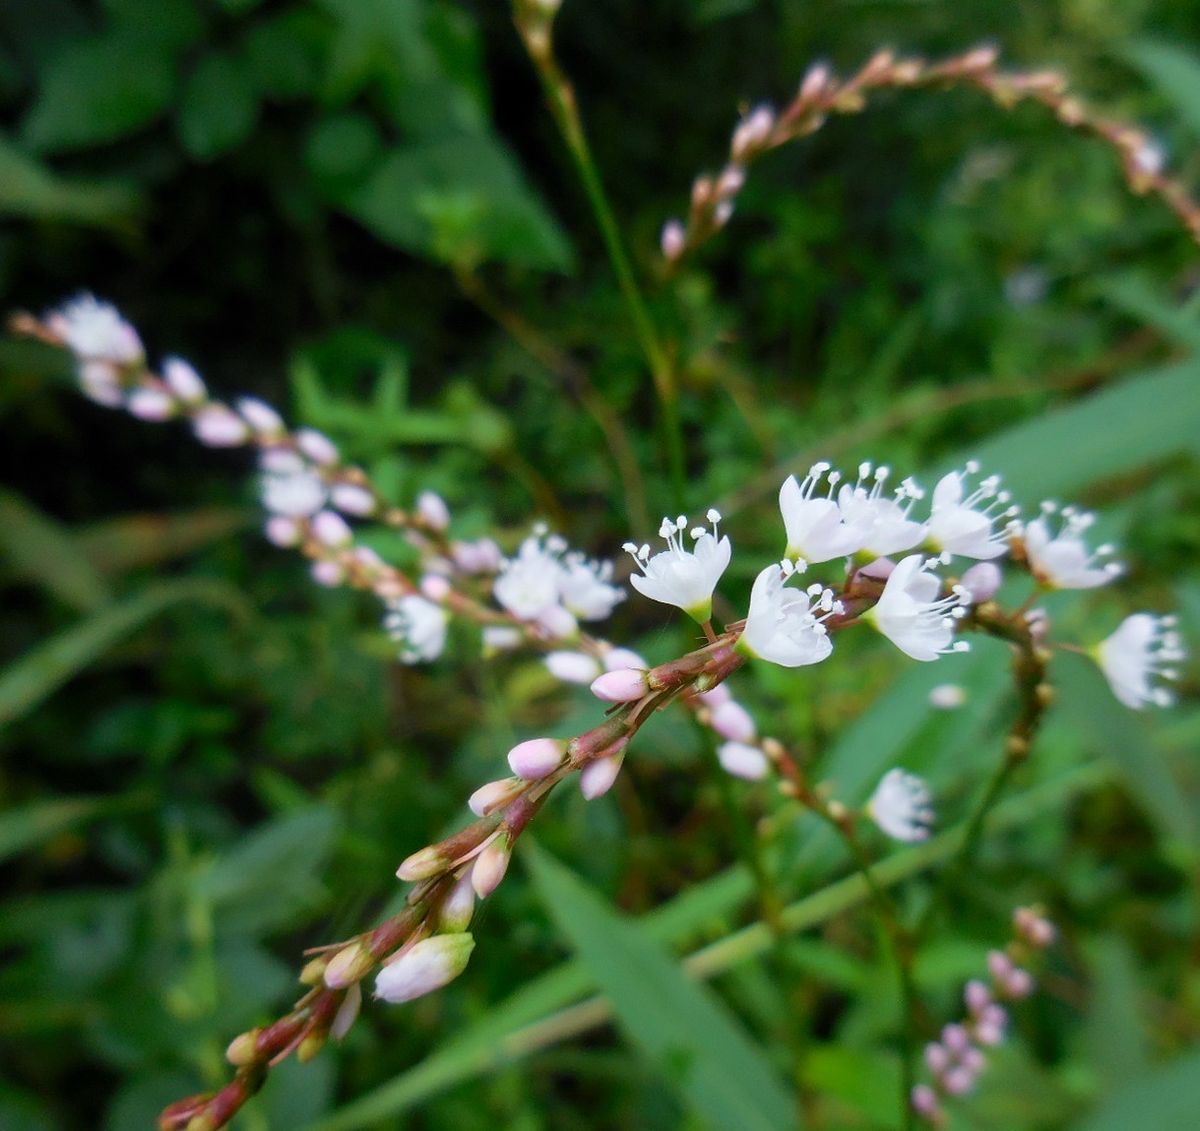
x: 553, y: 588
x: 957, y: 1058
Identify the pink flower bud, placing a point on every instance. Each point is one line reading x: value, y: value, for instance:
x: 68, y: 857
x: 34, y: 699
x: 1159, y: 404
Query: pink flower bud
x: 260, y: 416
x: 347, y: 1012
x: 347, y: 966
x: 732, y: 721
x: 880, y: 569
x: 557, y: 623
x: 283, y: 531
x: 495, y: 795
x: 101, y: 383
x: 956, y: 1039
x: 330, y: 529
x: 490, y: 866
x: 999, y: 965
x: 598, y: 776
x: 218, y: 427
x: 715, y: 696
x: 1018, y: 984
x: 673, y: 240
x: 730, y: 182
x: 937, y: 1058
x: 977, y: 996
x: 958, y: 1081
x: 151, y: 404
x: 620, y: 685
x: 981, y: 581
x: 328, y: 573
x: 184, y: 381
x: 317, y: 446
x: 432, y: 510
x: 436, y: 588
x: 349, y: 498
x: 925, y: 1102
x: 456, y: 910
x: 535, y: 758
x: 947, y: 696
x: 623, y: 658
x: 572, y: 667
x: 743, y: 761
x: 426, y: 966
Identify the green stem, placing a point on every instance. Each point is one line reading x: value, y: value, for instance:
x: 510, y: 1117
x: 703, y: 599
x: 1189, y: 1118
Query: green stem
x: 560, y: 94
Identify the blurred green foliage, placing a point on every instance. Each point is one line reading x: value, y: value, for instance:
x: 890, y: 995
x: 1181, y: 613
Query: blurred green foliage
x: 360, y: 210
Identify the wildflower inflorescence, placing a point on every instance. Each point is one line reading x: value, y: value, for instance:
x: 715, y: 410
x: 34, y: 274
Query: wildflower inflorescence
x: 922, y: 574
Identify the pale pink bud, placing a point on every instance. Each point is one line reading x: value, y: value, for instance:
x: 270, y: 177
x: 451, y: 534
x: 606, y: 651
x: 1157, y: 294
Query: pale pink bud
x: 815, y: 81
x: 956, y: 1039
x: 347, y: 1012
x: 980, y: 58
x: 151, y: 404
x: 1035, y: 930
x: 989, y: 1029
x: 598, y: 776
x: 732, y: 721
x: 925, y: 1102
x: 752, y: 132
x: 456, y: 910
x: 317, y: 446
x: 742, y: 760
x: 722, y: 213
x: 495, y: 795
x: 973, y: 1060
x: 330, y: 529
x: 367, y: 558
x: 432, y: 509
x: 620, y: 685
x: 1019, y: 983
x: 218, y: 427
x: 715, y: 696
x: 623, y: 658
x: 977, y: 996
x: 958, y: 1081
x: 572, y: 667
x: 327, y: 573
x: 184, y: 381
x: 947, y: 696
x: 999, y: 965
x: 480, y: 556
x: 260, y: 416
x: 436, y: 588
x: 880, y: 569
x: 557, y: 623
x: 937, y: 1058
x: 426, y: 966
x: 535, y: 758
x: 347, y: 966
x: 500, y: 638
x: 490, y: 866
x: 673, y: 240
x: 101, y: 383
x: 981, y: 581
x: 349, y: 498
x: 730, y: 182
x: 283, y: 531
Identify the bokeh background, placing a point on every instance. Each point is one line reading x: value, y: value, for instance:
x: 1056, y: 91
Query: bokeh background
x: 361, y: 211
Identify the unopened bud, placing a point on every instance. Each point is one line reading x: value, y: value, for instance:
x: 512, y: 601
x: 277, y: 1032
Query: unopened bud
x: 330, y: 529
x: 347, y: 966
x: 979, y: 59
x: 598, y: 776
x: 572, y: 667
x: 347, y: 1012
x: 243, y: 1049
x: 423, y: 864
x: 490, y: 866
x: 743, y: 760
x: 218, y: 427
x: 435, y: 587
x: 151, y: 405
x: 313, y: 973
x: 673, y: 240
x: 260, y: 416
x: 815, y: 82
x: 535, y: 758
x: 495, y: 795
x: 312, y: 1044
x: 317, y: 446
x: 349, y: 498
x: 426, y: 966
x: 622, y: 685
x: 432, y: 510
x: 752, y: 132
x: 184, y: 381
x: 732, y: 721
x: 982, y: 581
x: 454, y: 914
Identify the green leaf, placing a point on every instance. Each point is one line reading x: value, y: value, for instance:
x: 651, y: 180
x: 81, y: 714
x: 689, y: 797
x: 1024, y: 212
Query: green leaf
x: 1165, y: 1099
x: 1175, y: 71
x: 27, y: 826
x: 98, y: 90
x: 682, y: 1028
x: 1137, y: 297
x: 218, y: 110
x: 31, y: 191
x: 44, y: 552
x: 459, y: 199
x: 35, y: 675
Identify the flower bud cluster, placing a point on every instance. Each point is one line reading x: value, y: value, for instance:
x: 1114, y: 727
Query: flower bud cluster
x: 956, y: 1059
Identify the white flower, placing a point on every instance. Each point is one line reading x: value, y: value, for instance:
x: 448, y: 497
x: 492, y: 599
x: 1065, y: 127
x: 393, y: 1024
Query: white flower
x: 960, y: 525
x: 572, y: 667
x: 260, y: 416
x: 426, y: 966
x: 95, y: 331
x: 681, y: 577
x: 783, y: 624
x: 882, y: 524
x: 418, y: 626
x: 900, y: 806
x: 912, y: 615
x: 290, y: 486
x: 585, y: 587
x: 814, y: 527
x: 1136, y: 652
x: 528, y: 584
x: 1063, y: 560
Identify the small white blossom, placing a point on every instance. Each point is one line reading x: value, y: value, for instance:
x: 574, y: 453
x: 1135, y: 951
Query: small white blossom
x: 352, y: 499
x: 95, y: 331
x: 151, y: 404
x: 418, y: 626
x: 426, y: 966
x: 599, y: 775
x: 785, y: 625
x: 882, y: 523
x: 219, y: 427
x: 528, y: 584
x: 813, y: 524
x: 963, y: 524
x: 912, y: 615
x: 585, y: 588
x: 681, y: 577
x: 260, y: 416
x: 290, y: 486
x: 317, y: 446
x: 432, y: 510
x: 1137, y: 652
x: 1063, y: 560
x: 900, y: 806
x: 100, y: 381
x: 184, y: 381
